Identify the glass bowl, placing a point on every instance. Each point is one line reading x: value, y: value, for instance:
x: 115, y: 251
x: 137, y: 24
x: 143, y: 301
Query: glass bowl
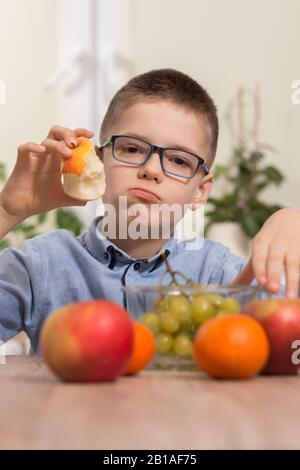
x: 175, y: 312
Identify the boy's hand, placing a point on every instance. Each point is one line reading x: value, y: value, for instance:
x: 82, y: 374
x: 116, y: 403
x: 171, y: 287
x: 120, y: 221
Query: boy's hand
x: 34, y: 185
x: 275, y: 248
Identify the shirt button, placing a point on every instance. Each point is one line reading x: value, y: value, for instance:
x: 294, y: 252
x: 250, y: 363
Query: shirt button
x: 137, y: 266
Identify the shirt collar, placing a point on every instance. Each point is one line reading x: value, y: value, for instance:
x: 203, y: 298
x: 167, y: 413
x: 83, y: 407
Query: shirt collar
x: 111, y: 255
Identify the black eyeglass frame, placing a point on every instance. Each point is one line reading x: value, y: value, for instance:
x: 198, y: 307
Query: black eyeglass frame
x: 160, y: 151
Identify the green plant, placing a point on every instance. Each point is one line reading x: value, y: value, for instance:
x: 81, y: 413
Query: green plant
x: 245, y: 177
x: 57, y: 219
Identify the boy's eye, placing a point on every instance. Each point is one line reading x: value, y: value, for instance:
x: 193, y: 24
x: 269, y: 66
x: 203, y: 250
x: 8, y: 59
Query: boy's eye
x: 131, y: 149
x: 178, y: 161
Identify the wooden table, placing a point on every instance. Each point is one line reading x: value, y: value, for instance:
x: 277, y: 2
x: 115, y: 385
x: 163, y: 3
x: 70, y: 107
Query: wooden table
x: 155, y: 410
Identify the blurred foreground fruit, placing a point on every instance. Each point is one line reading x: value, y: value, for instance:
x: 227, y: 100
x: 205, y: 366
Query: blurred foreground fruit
x: 231, y: 347
x: 88, y: 341
x: 280, y: 319
x: 143, y: 350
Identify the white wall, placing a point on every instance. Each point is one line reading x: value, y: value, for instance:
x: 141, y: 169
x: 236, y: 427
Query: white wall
x: 225, y: 44
x: 27, y: 57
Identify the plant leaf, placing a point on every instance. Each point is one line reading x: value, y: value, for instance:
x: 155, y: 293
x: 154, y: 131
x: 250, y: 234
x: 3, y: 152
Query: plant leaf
x: 23, y: 228
x: 220, y: 170
x: 4, y: 244
x: 260, y: 186
x: 249, y: 224
x: 273, y: 174
x: 2, y: 172
x: 66, y: 219
x: 42, y: 217
x: 256, y: 156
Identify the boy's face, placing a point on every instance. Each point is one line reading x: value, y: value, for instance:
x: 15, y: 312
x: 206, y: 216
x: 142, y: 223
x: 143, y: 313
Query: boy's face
x: 164, y: 124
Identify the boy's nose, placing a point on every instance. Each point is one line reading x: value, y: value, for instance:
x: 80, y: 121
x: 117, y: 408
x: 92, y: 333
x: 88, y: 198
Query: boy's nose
x: 152, y: 169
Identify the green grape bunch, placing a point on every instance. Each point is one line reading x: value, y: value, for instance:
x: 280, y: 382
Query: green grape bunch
x: 180, y: 310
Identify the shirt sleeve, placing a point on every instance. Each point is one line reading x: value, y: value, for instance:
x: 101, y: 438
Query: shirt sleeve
x: 228, y: 267
x: 19, y: 293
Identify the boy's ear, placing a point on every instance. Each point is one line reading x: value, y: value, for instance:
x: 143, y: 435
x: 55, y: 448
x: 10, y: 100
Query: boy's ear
x: 99, y: 152
x: 202, y: 192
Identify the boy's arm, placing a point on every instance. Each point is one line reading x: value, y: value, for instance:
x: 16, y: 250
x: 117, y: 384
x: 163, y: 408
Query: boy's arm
x: 33, y: 187
x: 7, y: 222
x: 20, y: 274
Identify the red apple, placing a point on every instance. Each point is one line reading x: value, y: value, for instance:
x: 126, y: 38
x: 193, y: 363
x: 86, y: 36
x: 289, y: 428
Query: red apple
x: 280, y: 319
x: 88, y: 341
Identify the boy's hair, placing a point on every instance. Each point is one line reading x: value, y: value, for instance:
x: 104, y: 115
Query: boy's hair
x: 170, y: 85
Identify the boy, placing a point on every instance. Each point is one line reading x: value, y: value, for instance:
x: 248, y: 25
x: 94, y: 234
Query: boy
x: 156, y: 111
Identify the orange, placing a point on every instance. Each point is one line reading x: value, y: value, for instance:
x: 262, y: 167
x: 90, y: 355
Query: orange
x: 77, y: 162
x: 231, y: 347
x: 143, y: 350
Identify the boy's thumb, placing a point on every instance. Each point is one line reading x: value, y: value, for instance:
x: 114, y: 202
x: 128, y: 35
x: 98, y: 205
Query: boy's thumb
x: 246, y: 276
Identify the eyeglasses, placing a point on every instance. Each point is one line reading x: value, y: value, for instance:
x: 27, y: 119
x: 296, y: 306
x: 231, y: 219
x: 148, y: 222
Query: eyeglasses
x: 136, y: 151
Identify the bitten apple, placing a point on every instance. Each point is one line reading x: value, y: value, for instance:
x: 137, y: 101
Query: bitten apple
x: 280, y: 319
x: 88, y: 341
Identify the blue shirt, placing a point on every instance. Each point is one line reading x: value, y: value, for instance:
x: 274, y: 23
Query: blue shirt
x: 57, y: 268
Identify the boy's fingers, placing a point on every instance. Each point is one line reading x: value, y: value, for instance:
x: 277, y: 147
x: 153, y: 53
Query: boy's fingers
x: 259, y: 260
x: 25, y: 149
x: 246, y: 276
x: 274, y: 266
x: 71, y: 201
x: 292, y: 266
x: 63, y: 133
x: 68, y: 135
x: 81, y: 132
x: 58, y: 148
